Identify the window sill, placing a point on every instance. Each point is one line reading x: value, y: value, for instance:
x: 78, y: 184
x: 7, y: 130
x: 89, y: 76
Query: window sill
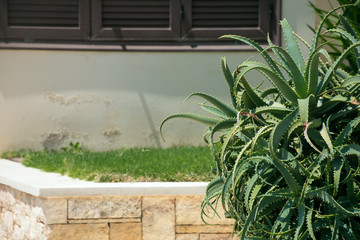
x: 125, y: 47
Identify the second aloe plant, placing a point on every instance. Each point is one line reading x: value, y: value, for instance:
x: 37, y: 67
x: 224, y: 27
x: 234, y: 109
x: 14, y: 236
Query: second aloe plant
x: 287, y: 156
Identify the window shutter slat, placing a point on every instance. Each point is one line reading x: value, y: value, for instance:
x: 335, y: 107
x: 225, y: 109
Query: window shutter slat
x: 221, y: 23
x: 42, y: 2
x: 230, y: 3
x: 135, y: 24
x: 39, y: 13
x: 230, y: 13
x: 136, y: 19
x: 126, y: 9
x: 140, y: 3
x: 135, y: 13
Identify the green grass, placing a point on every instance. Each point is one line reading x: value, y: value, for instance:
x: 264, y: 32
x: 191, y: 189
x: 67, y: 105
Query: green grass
x: 124, y: 165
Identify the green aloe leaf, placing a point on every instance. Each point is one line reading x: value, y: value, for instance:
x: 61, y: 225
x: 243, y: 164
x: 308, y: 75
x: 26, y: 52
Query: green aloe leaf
x: 283, y: 218
x: 192, y: 116
x: 279, y: 131
x: 321, y: 25
x: 301, y: 219
x: 342, y: 74
x: 327, y: 106
x: 322, y: 194
x: 225, y: 189
x: 275, y: 79
x: 349, y: 29
x: 254, y: 194
x: 313, y: 73
x: 213, y: 110
x: 347, y: 26
x: 304, y: 109
x: 265, y: 130
x: 326, y: 136
x: 337, y: 164
x: 247, y: 103
x: 285, y: 65
x: 283, y: 169
x: 315, y: 135
x: 345, y: 134
x: 252, y: 215
x: 221, y: 125
x: 298, y: 79
x: 281, y: 193
x: 329, y: 74
x: 272, y: 208
x: 280, y: 112
x: 258, y: 48
x: 269, y: 91
x: 341, y: 114
x: 350, y: 149
x: 251, y: 93
x: 317, y: 226
x: 250, y: 185
x: 228, y: 110
x: 352, y: 38
x: 346, y: 231
x: 229, y: 80
x: 351, y: 80
x: 292, y: 45
x: 335, y: 228
x: 228, y: 137
x: 213, y: 190
x: 309, y: 222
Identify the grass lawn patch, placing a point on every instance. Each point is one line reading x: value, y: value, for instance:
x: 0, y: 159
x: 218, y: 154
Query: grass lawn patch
x: 175, y: 164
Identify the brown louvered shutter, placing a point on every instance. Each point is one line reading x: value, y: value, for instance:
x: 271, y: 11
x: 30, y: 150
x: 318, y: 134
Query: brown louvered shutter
x: 135, y: 19
x: 153, y: 22
x: 45, y: 19
x: 209, y: 19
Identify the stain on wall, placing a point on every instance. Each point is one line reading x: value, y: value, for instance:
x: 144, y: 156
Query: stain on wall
x: 112, y: 132
x: 78, y: 99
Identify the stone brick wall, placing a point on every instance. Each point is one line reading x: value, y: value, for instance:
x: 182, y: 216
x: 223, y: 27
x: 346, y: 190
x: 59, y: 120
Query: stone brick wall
x: 21, y: 217
x: 107, y: 218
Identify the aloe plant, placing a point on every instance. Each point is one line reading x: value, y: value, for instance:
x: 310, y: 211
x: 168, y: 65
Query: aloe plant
x: 287, y: 158
x: 348, y: 19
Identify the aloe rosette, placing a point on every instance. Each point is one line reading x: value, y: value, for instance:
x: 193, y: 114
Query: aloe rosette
x: 287, y: 157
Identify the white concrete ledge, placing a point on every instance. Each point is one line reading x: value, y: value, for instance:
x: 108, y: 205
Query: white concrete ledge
x: 43, y: 184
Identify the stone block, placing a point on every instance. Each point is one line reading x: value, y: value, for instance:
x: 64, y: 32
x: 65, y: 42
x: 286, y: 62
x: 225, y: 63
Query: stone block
x: 106, y: 220
x: 55, y: 209
x: 158, y: 218
x: 79, y: 232
x: 125, y: 231
x: 104, y: 207
x: 188, y: 210
x: 204, y: 229
x: 187, y: 237
x: 7, y: 221
x: 218, y: 237
x: 19, y: 220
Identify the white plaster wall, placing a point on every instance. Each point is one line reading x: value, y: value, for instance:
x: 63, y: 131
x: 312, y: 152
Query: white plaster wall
x: 106, y: 100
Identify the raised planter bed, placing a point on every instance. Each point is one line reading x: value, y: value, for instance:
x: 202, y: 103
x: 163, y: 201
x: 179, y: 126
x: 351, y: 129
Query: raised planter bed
x: 39, y: 205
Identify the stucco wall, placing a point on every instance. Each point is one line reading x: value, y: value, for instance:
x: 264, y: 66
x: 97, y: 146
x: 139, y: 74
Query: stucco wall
x: 106, y: 100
